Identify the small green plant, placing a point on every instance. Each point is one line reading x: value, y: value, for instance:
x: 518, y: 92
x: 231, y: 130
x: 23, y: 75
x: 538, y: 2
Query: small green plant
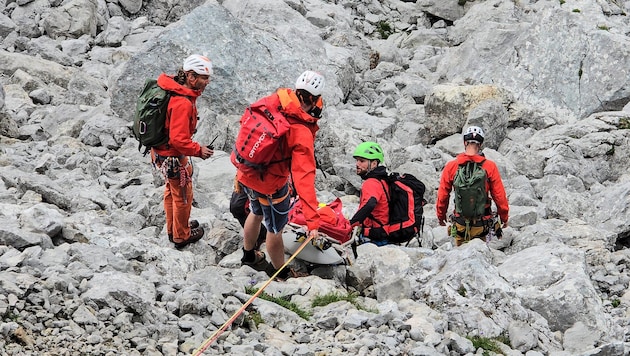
x: 283, y: 302
x: 624, y: 123
x: 384, y: 29
x: 615, y: 302
x: 603, y: 27
x: 461, y: 2
x: 11, y: 316
x: 562, y: 2
x: 504, y: 339
x: 255, y: 318
x: 462, y: 291
x: 485, y: 344
x: 577, y: 10
x: 323, y: 300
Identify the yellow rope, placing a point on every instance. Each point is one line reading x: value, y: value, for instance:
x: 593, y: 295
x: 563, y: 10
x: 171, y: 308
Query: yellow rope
x: 229, y: 322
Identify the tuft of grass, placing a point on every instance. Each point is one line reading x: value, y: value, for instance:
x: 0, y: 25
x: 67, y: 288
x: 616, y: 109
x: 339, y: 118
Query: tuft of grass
x: 255, y: 318
x: 624, y: 123
x: 461, y: 2
x: 384, y: 29
x: 603, y: 28
x: 323, y: 300
x: 576, y: 10
x: 485, y: 344
x: 11, y: 316
x: 504, y: 339
x: 462, y: 291
x: 615, y: 303
x: 283, y: 302
x: 562, y: 2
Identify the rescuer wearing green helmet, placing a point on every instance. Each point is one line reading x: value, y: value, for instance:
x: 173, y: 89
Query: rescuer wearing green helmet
x: 373, y: 210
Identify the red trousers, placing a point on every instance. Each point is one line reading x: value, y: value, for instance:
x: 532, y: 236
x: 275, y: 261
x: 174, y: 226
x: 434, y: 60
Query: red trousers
x: 178, y: 200
x: 177, y: 206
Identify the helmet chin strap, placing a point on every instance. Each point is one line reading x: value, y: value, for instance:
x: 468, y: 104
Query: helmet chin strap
x: 370, y: 169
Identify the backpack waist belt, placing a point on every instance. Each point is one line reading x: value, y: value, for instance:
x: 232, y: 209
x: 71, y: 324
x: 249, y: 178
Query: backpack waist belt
x: 478, y: 221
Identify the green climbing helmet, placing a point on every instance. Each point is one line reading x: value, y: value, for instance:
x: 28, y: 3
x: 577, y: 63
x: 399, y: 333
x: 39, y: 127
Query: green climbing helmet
x: 369, y: 150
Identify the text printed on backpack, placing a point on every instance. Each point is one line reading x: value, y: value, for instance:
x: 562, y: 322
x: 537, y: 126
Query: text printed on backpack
x: 259, y: 138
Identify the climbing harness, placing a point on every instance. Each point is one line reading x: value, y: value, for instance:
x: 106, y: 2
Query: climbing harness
x: 490, y: 225
x: 171, y: 168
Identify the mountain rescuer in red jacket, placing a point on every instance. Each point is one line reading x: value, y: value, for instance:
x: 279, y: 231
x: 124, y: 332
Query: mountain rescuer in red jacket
x: 465, y: 228
x: 269, y: 192
x: 173, y: 158
x: 373, y: 209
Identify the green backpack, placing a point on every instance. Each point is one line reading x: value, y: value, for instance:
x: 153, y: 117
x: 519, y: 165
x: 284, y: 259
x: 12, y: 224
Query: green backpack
x: 470, y: 190
x: 150, y: 116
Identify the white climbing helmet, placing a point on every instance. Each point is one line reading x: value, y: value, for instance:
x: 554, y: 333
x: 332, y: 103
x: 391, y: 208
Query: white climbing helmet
x: 199, y: 64
x: 312, y: 82
x: 474, y: 134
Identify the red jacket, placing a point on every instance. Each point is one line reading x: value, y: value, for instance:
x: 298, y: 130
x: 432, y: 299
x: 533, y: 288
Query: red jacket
x: 373, y: 208
x: 300, y: 142
x: 376, y: 188
x: 181, y: 119
x: 494, y: 185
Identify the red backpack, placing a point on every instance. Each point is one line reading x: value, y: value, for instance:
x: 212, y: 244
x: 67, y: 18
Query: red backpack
x: 406, y: 205
x: 262, y: 130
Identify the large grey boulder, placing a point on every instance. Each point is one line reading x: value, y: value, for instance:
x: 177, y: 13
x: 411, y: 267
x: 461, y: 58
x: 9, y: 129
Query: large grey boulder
x: 449, y: 108
x: 241, y: 55
x: 6, y: 25
x: 45, y: 70
x: 248, y: 63
x: 447, y: 10
x: 26, y: 17
x: 120, y: 290
x: 563, y: 293
x: 73, y: 19
x: 572, y: 75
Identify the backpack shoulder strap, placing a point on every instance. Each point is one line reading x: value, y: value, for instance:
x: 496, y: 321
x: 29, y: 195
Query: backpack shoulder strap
x: 387, y: 193
x: 387, y: 196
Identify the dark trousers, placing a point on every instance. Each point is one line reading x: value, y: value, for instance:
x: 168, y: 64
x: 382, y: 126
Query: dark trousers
x: 239, y: 207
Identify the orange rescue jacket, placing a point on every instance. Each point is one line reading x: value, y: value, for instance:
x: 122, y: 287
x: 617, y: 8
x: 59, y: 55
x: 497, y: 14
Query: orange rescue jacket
x: 181, y: 119
x: 494, y: 185
x: 299, y: 146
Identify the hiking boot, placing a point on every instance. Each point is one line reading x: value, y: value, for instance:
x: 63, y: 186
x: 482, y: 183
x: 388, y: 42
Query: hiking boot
x: 259, y: 263
x: 193, y: 224
x: 195, y: 235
